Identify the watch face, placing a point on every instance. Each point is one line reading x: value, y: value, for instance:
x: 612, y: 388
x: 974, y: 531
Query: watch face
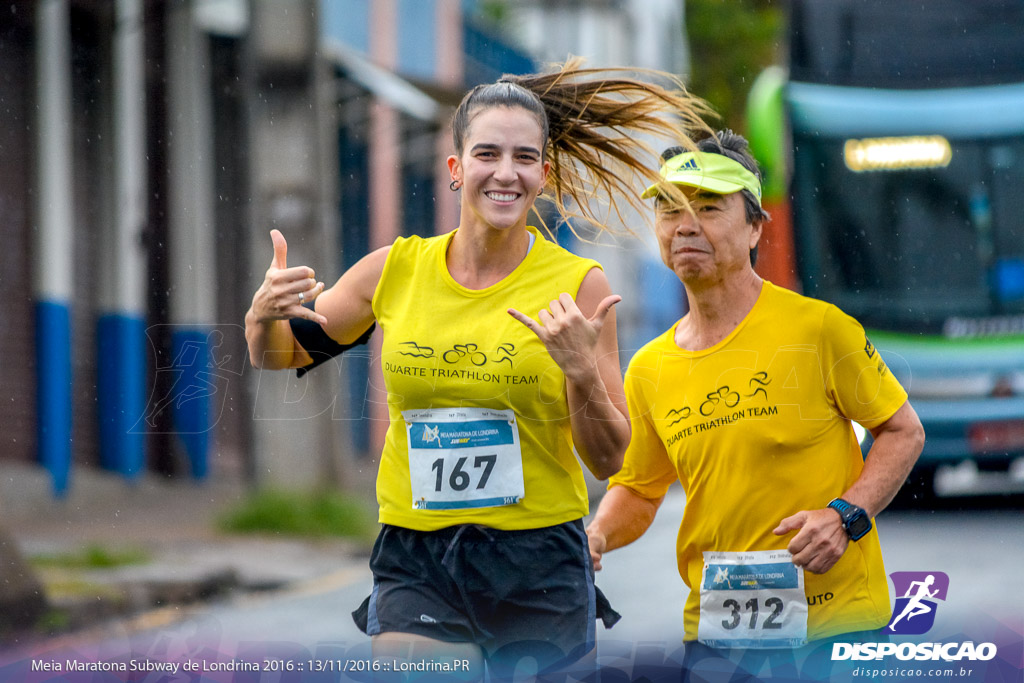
x: 859, y: 526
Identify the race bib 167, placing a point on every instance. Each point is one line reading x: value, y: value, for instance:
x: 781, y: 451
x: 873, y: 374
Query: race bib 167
x: 464, y: 458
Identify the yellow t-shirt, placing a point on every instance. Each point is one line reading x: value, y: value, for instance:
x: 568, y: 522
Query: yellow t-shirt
x: 446, y: 346
x: 756, y: 429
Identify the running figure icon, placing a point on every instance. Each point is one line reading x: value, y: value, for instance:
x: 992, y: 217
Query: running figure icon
x: 722, y: 576
x: 432, y: 434
x: 915, y: 606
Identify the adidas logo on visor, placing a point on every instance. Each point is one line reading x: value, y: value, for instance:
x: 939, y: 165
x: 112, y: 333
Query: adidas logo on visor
x: 711, y: 172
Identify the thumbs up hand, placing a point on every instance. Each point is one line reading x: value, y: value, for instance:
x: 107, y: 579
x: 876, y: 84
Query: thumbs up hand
x: 285, y: 290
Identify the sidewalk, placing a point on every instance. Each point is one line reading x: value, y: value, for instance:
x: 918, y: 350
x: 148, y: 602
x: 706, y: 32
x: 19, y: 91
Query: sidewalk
x: 172, y: 525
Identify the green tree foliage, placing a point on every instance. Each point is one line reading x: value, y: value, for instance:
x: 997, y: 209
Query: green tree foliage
x: 494, y: 14
x: 731, y: 41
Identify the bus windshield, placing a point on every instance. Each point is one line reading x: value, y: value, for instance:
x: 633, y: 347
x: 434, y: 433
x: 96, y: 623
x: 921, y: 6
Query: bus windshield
x: 909, y: 246
x: 910, y: 249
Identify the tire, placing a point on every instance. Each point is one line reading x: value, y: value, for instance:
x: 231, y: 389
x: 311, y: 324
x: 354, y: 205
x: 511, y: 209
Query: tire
x: 918, y: 491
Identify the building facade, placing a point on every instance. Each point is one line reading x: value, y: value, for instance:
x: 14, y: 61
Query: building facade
x: 146, y: 150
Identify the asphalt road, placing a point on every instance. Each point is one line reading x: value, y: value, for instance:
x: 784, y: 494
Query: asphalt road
x: 981, y: 550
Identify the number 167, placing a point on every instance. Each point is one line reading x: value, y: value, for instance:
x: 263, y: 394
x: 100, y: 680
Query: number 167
x: 458, y: 478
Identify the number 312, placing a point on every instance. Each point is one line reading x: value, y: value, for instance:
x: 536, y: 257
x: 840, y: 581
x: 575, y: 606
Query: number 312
x: 751, y: 605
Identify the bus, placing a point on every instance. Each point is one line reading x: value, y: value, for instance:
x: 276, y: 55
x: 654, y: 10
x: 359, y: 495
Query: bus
x: 893, y: 149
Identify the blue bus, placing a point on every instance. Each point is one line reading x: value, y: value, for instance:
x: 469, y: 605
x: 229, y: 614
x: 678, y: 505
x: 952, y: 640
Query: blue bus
x: 897, y: 133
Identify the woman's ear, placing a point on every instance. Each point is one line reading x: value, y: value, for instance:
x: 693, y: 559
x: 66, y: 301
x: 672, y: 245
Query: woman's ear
x: 454, y: 168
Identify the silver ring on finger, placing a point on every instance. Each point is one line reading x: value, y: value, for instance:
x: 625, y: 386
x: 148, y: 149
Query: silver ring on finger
x: 302, y: 298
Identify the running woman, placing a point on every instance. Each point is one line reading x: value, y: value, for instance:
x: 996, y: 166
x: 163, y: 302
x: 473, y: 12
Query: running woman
x: 482, y: 556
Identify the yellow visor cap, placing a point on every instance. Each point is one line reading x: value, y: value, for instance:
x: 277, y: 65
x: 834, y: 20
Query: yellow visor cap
x: 712, y: 172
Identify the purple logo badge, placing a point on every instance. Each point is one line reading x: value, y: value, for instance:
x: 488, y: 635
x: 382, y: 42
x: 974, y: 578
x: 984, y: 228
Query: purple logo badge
x: 916, y: 593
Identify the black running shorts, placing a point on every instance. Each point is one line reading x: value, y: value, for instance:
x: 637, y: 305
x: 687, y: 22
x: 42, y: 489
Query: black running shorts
x: 515, y: 594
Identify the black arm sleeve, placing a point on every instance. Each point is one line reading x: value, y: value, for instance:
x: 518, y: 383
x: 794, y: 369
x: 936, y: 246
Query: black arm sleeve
x: 318, y: 344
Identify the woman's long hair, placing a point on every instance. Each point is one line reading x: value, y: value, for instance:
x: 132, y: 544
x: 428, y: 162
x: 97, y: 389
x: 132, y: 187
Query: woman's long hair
x: 594, y: 124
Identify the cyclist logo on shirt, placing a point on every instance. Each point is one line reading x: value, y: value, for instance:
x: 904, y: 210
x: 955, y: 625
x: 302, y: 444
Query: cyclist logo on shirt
x: 721, y: 395
x: 504, y: 353
x: 914, y: 612
x: 460, y: 351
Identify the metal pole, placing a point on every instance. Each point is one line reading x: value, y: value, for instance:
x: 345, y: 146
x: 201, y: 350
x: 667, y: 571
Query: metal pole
x: 192, y: 238
x: 54, y: 242
x: 121, y: 335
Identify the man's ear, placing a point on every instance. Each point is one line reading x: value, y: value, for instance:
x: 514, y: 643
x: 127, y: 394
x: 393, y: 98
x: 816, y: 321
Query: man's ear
x: 756, y: 232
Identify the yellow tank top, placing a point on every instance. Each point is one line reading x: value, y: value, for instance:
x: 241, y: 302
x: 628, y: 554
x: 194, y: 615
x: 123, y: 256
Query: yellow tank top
x: 476, y: 391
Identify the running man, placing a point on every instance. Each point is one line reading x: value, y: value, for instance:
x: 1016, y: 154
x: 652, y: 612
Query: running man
x: 748, y: 401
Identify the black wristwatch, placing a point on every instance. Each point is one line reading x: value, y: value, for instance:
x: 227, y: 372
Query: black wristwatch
x: 856, y: 521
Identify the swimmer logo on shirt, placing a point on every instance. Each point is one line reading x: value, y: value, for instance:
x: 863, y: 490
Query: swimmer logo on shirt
x: 916, y: 593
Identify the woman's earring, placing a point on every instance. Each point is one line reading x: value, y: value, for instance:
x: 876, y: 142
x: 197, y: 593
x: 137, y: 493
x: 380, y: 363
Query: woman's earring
x: 453, y: 185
